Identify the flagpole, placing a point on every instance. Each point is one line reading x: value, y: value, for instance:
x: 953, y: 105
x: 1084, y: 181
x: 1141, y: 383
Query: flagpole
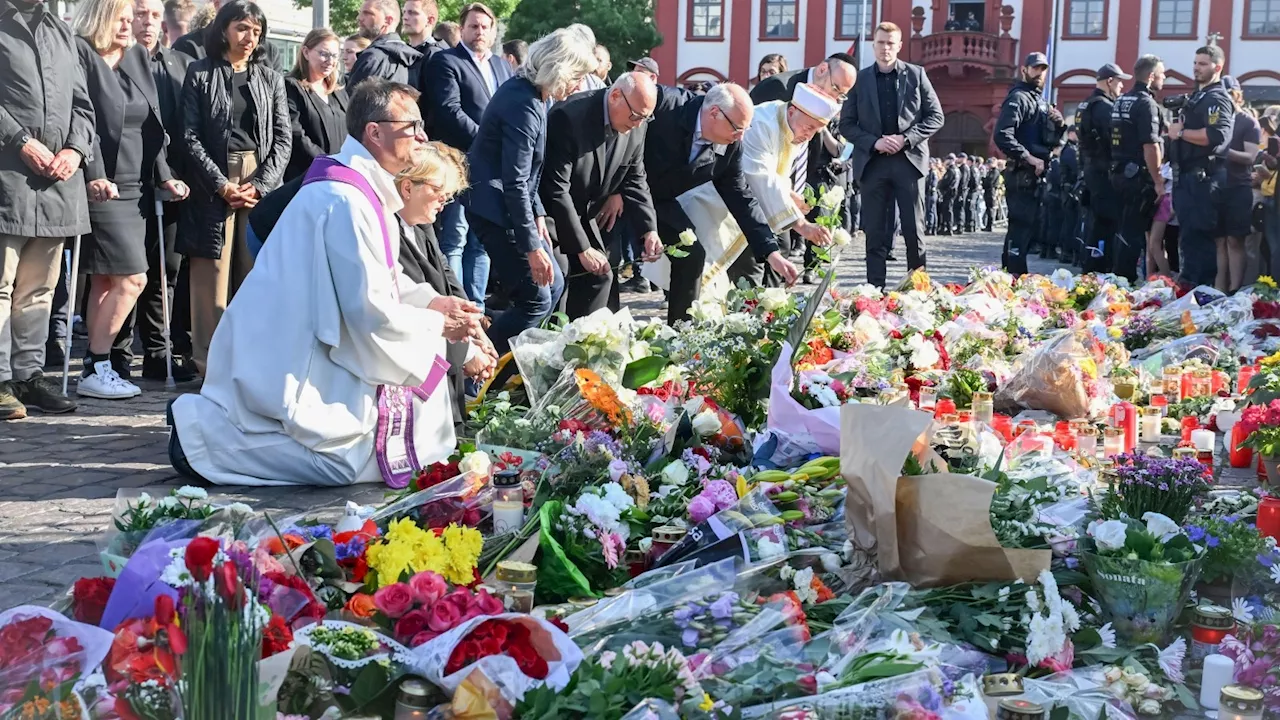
x: 1051, y: 51
x: 862, y: 34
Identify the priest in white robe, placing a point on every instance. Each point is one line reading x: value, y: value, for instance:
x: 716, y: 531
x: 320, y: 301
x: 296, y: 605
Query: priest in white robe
x: 326, y: 329
x: 774, y: 163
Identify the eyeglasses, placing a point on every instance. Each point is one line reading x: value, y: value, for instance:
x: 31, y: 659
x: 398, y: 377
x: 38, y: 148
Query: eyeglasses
x: 731, y: 123
x: 419, y: 127
x: 635, y: 116
x: 326, y: 56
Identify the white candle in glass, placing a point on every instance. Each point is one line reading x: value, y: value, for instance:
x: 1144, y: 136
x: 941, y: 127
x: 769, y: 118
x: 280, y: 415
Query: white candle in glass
x: 1202, y: 440
x: 1218, y: 671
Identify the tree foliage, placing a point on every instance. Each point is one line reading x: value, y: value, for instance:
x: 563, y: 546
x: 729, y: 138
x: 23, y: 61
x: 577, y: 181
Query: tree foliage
x: 624, y: 26
x: 342, y: 13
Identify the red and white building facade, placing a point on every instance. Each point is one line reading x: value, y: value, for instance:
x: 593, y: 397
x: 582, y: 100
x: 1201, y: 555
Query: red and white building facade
x: 972, y: 69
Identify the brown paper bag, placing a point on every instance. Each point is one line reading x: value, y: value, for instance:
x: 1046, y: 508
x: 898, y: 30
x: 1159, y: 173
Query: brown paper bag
x: 927, y: 530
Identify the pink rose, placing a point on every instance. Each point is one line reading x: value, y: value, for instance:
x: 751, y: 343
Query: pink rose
x: 700, y: 508
x: 423, y: 637
x: 488, y: 604
x: 444, y: 616
x: 394, y: 600
x: 459, y: 598
x: 412, y: 624
x: 1062, y: 661
x: 428, y: 587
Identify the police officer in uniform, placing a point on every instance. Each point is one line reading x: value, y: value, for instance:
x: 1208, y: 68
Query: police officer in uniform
x: 971, y: 196
x: 1136, y: 155
x: 989, y: 193
x: 1200, y: 139
x: 1068, y: 243
x: 947, y: 195
x: 1093, y: 118
x: 931, y: 199
x: 962, y: 194
x: 1027, y: 132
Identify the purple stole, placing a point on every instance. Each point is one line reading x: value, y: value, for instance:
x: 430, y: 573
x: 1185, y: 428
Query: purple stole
x: 393, y: 441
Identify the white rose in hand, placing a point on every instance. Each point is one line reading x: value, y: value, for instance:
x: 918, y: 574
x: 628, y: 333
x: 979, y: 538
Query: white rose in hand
x: 706, y: 423
x: 773, y: 298
x: 1109, y: 535
x: 1161, y: 526
x: 841, y: 237
x: 687, y: 238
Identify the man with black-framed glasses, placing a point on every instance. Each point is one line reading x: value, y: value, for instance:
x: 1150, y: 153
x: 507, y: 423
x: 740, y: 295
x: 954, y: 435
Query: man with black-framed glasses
x: 595, y: 153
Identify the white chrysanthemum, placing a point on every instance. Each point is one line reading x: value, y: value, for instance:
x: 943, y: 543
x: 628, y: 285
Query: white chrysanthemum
x: 168, y: 502
x: 772, y: 299
x: 803, y: 582
x: 144, y: 499
x: 1171, y: 659
x: 1241, y: 611
x: 240, y: 508
x: 832, y: 198
x: 187, y: 492
x: 768, y: 548
x: 1108, y: 635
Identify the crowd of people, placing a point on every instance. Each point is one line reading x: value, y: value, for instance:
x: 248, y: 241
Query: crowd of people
x: 1138, y: 186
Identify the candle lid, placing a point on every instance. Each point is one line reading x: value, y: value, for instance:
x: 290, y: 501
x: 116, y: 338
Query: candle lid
x: 1184, y: 453
x: 614, y: 592
x: 506, y: 478
x: 1240, y: 699
x: 513, y: 571
x: 982, y: 396
x: 1018, y: 709
x: 1213, y: 617
x: 413, y: 686
x: 1151, y: 411
x: 583, y: 602
x: 997, y: 684
x: 668, y: 534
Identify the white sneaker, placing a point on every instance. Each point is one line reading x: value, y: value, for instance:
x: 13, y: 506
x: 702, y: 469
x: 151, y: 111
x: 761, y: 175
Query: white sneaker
x: 106, y: 384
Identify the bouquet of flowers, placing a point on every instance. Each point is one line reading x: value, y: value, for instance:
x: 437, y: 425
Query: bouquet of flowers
x: 1066, y: 376
x: 1161, y: 486
x: 417, y: 611
x: 1255, y: 649
x: 42, y: 657
x: 407, y: 549
x: 600, y: 341
x: 1142, y: 575
x: 142, y: 669
x: 582, y: 544
x: 1262, y: 423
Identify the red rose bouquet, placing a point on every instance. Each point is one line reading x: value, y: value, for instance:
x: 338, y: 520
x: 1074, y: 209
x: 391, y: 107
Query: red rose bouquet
x: 517, y: 652
x: 89, y: 598
x: 42, y: 655
x: 495, y: 637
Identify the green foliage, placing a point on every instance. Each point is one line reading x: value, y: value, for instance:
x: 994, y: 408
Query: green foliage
x: 343, y: 13
x: 624, y: 26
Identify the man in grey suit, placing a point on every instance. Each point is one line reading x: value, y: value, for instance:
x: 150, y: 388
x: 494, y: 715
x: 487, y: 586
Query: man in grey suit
x: 889, y: 118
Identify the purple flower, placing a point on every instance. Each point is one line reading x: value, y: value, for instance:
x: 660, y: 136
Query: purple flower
x: 721, y: 493
x: 689, y: 637
x: 723, y: 607
x: 1265, y: 560
x: 1072, y: 563
x: 1212, y: 542
x: 700, y: 508
x: 1195, y: 533
x: 683, y: 615
x: 617, y: 468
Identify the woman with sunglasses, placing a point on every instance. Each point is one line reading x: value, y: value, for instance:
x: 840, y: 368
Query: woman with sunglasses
x: 317, y: 101
x: 238, y: 137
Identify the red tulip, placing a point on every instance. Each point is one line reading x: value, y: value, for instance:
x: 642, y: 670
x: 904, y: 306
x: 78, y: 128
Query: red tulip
x: 164, y: 610
x: 177, y: 640
x: 199, y: 557
x: 228, y: 581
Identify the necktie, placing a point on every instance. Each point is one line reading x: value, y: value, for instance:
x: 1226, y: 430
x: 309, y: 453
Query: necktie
x: 798, y: 167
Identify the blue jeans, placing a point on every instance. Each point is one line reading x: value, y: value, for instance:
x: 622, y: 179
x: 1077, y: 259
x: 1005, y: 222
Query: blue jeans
x: 465, y: 253
x: 529, y: 303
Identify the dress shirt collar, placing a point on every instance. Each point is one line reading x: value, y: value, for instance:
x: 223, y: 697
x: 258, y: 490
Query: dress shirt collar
x: 699, y: 141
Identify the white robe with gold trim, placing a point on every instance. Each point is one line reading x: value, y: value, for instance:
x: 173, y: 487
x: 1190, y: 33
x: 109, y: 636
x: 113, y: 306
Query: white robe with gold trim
x: 290, y: 395
x: 767, y: 154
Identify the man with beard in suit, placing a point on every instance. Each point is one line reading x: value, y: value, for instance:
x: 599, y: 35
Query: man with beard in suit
x: 595, y: 150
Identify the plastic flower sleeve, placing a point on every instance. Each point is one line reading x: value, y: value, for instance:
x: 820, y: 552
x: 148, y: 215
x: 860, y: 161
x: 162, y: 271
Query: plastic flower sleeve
x: 1062, y: 376
x: 945, y: 693
x: 1082, y: 692
x: 55, y: 651
x: 466, y: 500
x: 718, y: 536
x: 774, y: 666
x: 539, y: 355
x: 652, y: 709
x: 634, y: 606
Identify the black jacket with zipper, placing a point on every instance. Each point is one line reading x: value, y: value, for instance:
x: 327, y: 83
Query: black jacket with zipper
x: 387, y: 57
x: 206, y: 133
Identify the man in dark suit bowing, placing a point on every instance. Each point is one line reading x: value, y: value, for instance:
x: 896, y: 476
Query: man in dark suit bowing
x: 889, y: 118
x: 460, y: 82
x: 696, y: 139
x: 595, y: 149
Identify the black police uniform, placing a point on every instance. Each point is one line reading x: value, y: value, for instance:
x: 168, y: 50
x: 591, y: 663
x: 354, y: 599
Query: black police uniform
x: 1136, y: 121
x: 971, y: 200
x: 946, y: 198
x: 989, y: 197
x: 958, y: 202
x: 1068, y: 239
x: 1024, y: 130
x: 1093, y: 128
x: 1199, y: 174
x: 931, y: 203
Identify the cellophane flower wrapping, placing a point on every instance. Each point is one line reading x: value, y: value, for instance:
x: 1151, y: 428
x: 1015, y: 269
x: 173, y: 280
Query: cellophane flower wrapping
x: 648, y: 596
x: 1082, y: 691
x: 41, y: 647
x: 1141, y: 598
x: 1066, y: 376
x: 556, y: 648
x: 464, y: 500
x: 944, y: 692
x: 600, y: 341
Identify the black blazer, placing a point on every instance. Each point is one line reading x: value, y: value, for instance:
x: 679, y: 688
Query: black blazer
x: 316, y: 131
x: 919, y: 116
x: 192, y: 45
x: 506, y: 162
x: 778, y: 87
x: 108, y: 103
x: 422, y: 262
x: 169, y: 71
x: 670, y: 172
x: 587, y: 161
x: 459, y: 95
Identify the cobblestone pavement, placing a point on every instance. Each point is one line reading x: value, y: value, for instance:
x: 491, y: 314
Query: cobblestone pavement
x: 59, y: 474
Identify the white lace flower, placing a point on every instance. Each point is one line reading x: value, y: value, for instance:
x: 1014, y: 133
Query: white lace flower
x: 1171, y: 659
x: 187, y: 492
x: 1241, y: 611
x: 1108, y: 635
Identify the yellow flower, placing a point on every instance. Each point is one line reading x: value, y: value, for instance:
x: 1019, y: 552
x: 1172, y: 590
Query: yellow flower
x: 1267, y: 281
x: 390, y: 559
x: 707, y: 703
x: 464, y: 545
x: 1270, y: 359
x: 1114, y: 332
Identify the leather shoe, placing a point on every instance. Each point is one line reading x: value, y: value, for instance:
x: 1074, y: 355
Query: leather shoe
x: 154, y: 369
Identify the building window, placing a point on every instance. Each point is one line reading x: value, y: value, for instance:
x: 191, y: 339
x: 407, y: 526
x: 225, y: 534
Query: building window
x: 778, y: 19
x: 1175, y: 18
x: 1087, y: 18
x: 706, y: 19
x: 1263, y: 17
x: 850, y: 19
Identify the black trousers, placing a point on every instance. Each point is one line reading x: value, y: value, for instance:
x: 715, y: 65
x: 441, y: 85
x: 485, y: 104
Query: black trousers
x: 1137, y: 198
x: 1068, y: 239
x: 1104, y: 221
x: 1022, y: 218
x: 147, y: 315
x: 888, y: 181
x: 989, y: 198
x: 686, y: 274
x: 957, y: 213
x: 586, y: 292
x: 1051, y: 230
x: 945, y: 203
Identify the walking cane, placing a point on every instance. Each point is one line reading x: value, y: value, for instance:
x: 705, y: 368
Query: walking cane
x: 71, y: 309
x: 164, y: 296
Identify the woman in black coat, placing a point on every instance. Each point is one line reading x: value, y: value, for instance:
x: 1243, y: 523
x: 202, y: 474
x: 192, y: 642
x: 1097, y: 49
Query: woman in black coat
x: 317, y: 103
x: 237, y: 134
x: 122, y: 174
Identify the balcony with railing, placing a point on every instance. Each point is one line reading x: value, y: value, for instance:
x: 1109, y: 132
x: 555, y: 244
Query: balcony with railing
x: 960, y: 51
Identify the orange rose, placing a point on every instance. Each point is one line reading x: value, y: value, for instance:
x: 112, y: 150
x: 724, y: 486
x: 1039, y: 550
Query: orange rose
x: 362, y: 606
